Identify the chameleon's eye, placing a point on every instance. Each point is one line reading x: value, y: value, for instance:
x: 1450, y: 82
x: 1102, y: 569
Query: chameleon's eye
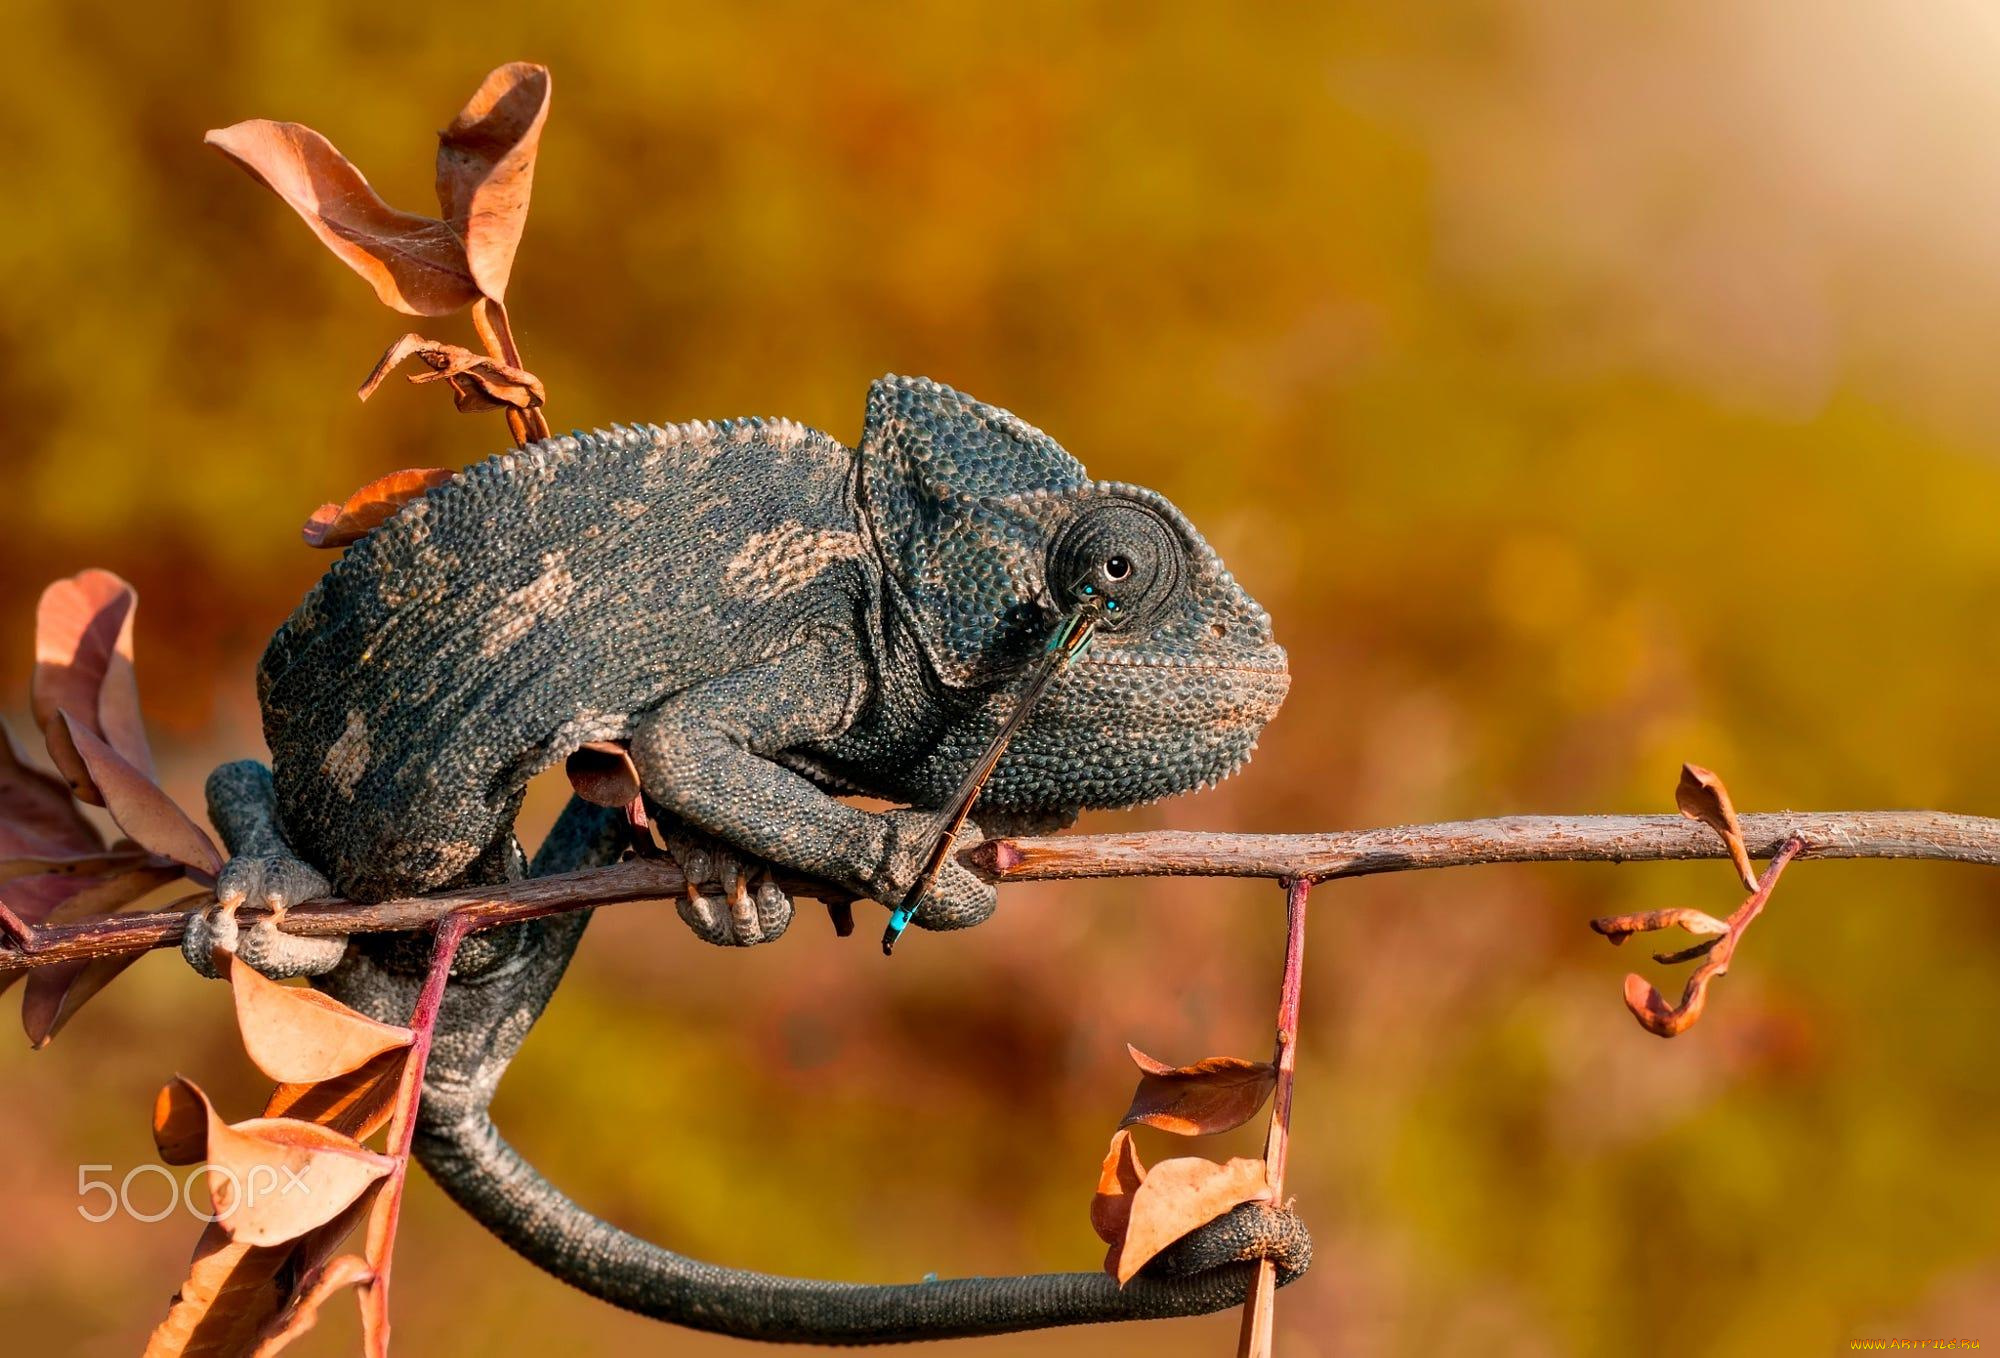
x: 1121, y: 552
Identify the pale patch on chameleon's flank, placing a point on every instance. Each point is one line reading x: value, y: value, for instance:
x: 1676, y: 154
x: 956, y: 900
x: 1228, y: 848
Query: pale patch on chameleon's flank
x: 785, y: 559
x: 347, y: 758
x: 545, y: 596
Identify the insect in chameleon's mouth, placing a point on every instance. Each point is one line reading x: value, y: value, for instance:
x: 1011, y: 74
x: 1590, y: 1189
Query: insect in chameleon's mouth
x: 1070, y: 640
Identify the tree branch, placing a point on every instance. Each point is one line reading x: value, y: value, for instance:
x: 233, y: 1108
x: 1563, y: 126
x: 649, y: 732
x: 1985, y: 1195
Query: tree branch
x: 1317, y: 857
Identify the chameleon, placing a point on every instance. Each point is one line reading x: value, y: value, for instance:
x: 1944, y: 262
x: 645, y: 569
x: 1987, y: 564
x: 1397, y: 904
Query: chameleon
x: 770, y: 621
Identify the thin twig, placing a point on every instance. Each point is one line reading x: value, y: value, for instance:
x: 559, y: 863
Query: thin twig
x: 1318, y: 857
x: 1260, y: 1311
x: 382, y: 1221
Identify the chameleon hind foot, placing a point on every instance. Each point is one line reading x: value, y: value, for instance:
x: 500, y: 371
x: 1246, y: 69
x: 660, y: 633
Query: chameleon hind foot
x: 752, y: 907
x: 279, y: 881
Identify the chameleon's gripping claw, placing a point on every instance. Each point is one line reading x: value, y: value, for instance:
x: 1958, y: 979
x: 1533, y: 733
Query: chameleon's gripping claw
x: 1071, y: 639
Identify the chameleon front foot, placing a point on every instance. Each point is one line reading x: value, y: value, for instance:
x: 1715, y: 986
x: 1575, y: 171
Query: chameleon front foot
x: 280, y: 881
x: 751, y: 909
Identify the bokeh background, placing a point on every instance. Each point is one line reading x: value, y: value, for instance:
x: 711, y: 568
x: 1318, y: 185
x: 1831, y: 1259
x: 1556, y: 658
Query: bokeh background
x: 1585, y: 388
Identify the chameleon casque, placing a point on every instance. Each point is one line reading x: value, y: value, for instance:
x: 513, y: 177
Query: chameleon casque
x: 771, y: 620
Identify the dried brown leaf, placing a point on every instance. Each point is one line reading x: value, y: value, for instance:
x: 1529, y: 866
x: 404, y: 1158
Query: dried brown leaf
x: 1111, y: 1207
x: 230, y: 1292
x: 38, y: 816
x: 301, y: 1311
x: 1659, y: 1018
x: 1179, y: 1196
x: 358, y: 1103
x: 298, y: 1035
x: 415, y: 264
x: 1618, y: 928
x: 601, y: 772
x: 180, y: 1123
x: 56, y: 992
x: 477, y: 382
x: 273, y: 1180
x: 141, y: 808
x: 83, y: 665
x: 486, y: 169
x: 1701, y: 796
x: 1213, y: 1095
x: 337, y: 525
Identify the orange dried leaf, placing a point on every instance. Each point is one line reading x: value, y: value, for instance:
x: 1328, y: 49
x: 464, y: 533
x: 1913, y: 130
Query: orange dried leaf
x: 358, y: 1103
x: 180, y: 1123
x: 602, y: 773
x: 1659, y: 1018
x: 83, y: 663
x: 1111, y: 1207
x: 38, y: 815
x: 336, y: 525
x: 140, y: 807
x: 1701, y: 796
x: 298, y: 1035
x: 415, y: 264
x: 477, y: 381
x: 486, y: 168
x: 1180, y: 1196
x: 274, y: 1179
x: 230, y: 1291
x: 55, y: 993
x: 1213, y: 1095
x: 301, y: 1310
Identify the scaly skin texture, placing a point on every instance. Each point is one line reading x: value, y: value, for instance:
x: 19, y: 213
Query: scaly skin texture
x: 769, y: 619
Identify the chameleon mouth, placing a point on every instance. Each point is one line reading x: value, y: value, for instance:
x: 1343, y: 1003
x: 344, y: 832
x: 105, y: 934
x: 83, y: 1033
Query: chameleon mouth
x: 1268, y: 659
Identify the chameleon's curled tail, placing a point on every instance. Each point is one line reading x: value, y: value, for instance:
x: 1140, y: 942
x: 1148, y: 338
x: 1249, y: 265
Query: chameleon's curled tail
x: 510, y: 1198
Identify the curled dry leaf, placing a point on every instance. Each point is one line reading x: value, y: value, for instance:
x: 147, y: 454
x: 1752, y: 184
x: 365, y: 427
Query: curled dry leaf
x: 274, y: 1179
x: 1701, y: 796
x: 477, y: 382
x: 1618, y: 928
x: 1213, y: 1095
x: 1179, y: 1196
x: 140, y: 807
x: 486, y: 168
x: 301, y: 1311
x: 1111, y: 1207
x: 298, y: 1035
x: 601, y: 772
x: 38, y: 816
x: 180, y: 1123
x: 83, y: 665
x: 415, y: 264
x: 1648, y: 1006
x: 1658, y: 1017
x: 337, y: 525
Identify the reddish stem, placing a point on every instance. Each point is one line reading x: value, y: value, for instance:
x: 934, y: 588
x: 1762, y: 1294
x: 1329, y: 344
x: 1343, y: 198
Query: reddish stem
x: 1260, y: 1306
x: 451, y: 930
x: 489, y: 318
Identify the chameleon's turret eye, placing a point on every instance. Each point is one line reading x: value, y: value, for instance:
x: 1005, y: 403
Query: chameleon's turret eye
x: 1121, y: 552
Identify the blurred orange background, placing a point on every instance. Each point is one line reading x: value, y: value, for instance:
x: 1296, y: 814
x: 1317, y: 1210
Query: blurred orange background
x: 1584, y: 389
